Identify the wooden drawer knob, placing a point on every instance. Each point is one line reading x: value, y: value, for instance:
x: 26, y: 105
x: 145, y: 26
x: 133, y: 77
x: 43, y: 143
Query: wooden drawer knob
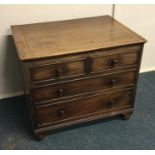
x: 58, y: 72
x: 61, y: 112
x: 113, y: 82
x: 110, y: 102
x: 61, y: 92
x: 114, y: 62
x: 88, y: 65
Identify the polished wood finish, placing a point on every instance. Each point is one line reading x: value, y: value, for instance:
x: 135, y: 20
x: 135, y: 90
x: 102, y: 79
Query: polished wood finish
x: 60, y: 70
x: 78, y: 70
x: 102, y: 103
x: 80, y: 86
x: 73, y: 36
x: 74, y: 66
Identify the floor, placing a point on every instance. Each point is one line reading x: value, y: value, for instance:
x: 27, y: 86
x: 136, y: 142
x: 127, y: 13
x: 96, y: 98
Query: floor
x: 113, y: 133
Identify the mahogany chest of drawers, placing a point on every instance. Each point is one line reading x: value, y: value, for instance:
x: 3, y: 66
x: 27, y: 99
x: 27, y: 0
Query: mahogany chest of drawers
x: 78, y: 70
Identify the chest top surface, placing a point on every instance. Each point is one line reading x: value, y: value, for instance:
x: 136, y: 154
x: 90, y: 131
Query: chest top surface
x: 43, y: 40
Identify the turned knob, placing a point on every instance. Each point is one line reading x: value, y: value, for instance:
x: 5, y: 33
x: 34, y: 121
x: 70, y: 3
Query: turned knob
x: 58, y: 72
x: 110, y: 102
x: 60, y: 92
x: 61, y: 112
x: 113, y: 82
x: 114, y: 62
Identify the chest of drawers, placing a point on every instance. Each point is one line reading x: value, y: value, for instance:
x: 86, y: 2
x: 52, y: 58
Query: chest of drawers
x: 78, y: 70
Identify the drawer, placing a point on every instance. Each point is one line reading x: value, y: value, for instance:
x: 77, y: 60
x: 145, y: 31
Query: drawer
x: 83, y: 85
x: 114, y: 61
x: 101, y: 103
x: 57, y: 70
x: 91, y: 62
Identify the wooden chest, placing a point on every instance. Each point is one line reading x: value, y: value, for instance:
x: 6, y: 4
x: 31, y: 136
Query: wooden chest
x: 78, y: 70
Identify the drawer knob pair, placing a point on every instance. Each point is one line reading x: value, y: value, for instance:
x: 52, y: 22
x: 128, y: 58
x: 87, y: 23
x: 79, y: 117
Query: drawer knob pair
x: 115, y: 62
x: 58, y: 72
x: 61, y: 92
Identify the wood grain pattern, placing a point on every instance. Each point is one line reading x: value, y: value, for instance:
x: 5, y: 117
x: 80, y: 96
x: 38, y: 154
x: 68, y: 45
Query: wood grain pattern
x: 78, y: 70
x: 80, y: 86
x: 92, y: 53
x: 82, y: 66
x: 59, y: 113
x: 114, y: 61
x: 42, y: 40
x: 58, y: 71
x: 45, y: 130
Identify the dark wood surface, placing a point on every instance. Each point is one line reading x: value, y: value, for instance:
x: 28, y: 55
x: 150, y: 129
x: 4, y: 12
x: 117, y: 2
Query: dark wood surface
x: 88, y: 63
x: 59, y: 113
x: 58, y: 70
x: 80, y: 86
x: 78, y: 70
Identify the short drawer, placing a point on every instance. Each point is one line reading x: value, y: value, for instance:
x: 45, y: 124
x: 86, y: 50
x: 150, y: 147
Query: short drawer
x: 83, y: 107
x: 57, y: 70
x: 82, y: 64
x: 83, y: 85
x: 114, y: 61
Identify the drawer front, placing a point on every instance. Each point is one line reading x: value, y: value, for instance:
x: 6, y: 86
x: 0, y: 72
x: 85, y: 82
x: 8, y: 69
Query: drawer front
x: 58, y: 113
x: 57, y: 70
x: 85, y: 85
x: 71, y: 66
x: 114, y: 61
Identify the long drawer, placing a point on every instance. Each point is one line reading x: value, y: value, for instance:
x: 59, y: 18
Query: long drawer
x: 84, y: 85
x: 69, y: 110
x: 57, y: 69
